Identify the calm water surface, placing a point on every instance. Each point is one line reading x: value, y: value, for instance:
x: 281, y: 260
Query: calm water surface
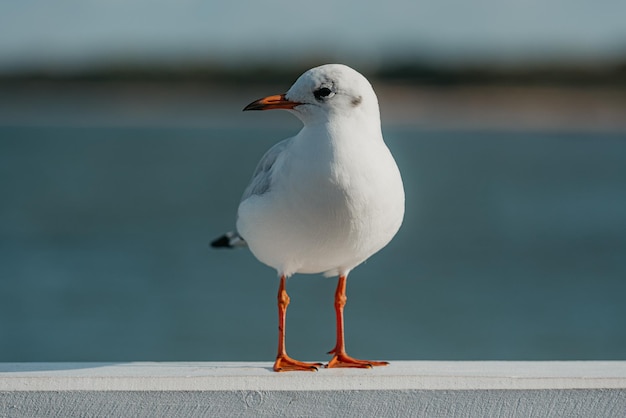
x: 513, y: 247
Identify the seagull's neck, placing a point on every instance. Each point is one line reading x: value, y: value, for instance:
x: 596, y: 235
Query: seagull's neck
x: 339, y: 143
x: 339, y: 131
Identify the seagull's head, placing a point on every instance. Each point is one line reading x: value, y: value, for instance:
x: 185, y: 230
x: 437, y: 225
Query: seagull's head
x: 325, y: 93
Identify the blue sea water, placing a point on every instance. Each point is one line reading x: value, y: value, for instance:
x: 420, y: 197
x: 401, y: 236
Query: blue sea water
x: 513, y: 247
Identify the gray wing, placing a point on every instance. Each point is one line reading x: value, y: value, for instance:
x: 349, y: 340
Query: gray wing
x: 261, y: 181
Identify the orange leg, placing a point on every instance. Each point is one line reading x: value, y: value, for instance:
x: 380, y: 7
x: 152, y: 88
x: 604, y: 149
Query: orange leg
x: 284, y: 363
x: 340, y: 358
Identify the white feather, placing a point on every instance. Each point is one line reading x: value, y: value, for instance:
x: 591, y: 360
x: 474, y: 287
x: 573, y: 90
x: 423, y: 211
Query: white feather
x: 331, y: 196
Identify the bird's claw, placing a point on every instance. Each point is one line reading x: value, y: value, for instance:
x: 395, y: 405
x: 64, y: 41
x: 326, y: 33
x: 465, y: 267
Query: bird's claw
x: 344, y: 360
x: 287, y: 364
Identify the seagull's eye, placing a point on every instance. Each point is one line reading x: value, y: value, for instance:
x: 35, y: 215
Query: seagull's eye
x: 323, y: 93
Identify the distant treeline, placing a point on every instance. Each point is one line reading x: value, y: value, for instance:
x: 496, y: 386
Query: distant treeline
x: 584, y: 74
x: 539, y: 74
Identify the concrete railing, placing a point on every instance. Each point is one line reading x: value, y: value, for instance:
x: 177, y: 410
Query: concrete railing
x: 405, y: 388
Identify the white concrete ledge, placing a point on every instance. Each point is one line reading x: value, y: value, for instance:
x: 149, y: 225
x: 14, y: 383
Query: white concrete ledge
x: 405, y: 388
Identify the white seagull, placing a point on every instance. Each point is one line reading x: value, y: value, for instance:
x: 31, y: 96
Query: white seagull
x: 324, y: 200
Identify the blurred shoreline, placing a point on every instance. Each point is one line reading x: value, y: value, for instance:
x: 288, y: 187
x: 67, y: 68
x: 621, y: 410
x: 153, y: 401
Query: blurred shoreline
x: 413, y: 71
x: 196, y: 104
x: 558, y: 96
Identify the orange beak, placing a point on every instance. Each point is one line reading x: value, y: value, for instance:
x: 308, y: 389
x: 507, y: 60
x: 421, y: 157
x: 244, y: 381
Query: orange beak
x: 278, y: 101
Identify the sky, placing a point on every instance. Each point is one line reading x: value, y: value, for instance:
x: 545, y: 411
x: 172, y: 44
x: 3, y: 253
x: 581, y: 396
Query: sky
x: 65, y: 34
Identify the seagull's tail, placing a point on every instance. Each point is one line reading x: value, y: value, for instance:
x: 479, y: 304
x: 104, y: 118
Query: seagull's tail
x: 229, y: 240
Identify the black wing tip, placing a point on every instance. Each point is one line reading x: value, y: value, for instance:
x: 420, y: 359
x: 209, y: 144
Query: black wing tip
x: 228, y: 240
x: 222, y: 242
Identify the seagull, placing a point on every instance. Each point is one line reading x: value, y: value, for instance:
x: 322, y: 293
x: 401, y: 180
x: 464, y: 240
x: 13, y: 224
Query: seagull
x: 324, y: 200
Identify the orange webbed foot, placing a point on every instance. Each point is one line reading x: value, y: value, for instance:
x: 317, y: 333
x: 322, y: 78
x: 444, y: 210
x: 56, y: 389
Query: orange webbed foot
x: 287, y: 364
x: 344, y: 360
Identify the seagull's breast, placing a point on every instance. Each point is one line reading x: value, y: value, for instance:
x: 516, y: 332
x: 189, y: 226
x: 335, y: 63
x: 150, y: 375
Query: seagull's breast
x: 331, y: 205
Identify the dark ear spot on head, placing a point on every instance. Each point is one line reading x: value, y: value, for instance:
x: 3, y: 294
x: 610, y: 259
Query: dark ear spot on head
x: 357, y: 101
